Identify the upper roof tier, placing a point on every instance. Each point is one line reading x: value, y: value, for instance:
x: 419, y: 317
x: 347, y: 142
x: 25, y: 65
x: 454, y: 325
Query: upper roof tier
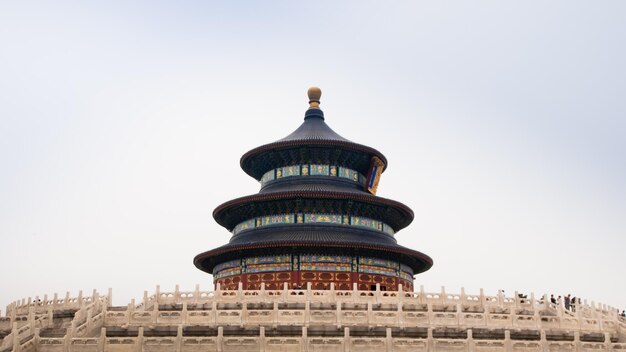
x: 314, y: 142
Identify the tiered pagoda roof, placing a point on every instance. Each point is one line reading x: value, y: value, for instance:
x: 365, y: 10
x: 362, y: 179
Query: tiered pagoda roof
x: 317, y: 197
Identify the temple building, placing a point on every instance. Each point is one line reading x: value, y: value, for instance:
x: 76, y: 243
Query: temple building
x: 312, y: 265
x: 316, y: 219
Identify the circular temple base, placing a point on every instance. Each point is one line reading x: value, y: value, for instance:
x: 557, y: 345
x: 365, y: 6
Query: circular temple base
x: 319, y: 280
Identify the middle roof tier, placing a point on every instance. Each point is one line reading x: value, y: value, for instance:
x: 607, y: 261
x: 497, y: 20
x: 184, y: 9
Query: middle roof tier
x: 307, y: 199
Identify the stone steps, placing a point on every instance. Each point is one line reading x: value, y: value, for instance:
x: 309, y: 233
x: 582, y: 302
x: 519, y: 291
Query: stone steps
x: 53, y: 332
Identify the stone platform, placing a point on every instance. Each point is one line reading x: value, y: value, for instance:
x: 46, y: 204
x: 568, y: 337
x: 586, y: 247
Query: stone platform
x: 308, y: 320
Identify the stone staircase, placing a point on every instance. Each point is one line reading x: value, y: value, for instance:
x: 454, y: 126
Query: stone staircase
x: 30, y: 321
x: 61, y: 321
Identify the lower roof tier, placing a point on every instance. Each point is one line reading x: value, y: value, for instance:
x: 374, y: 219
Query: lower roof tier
x: 310, y: 239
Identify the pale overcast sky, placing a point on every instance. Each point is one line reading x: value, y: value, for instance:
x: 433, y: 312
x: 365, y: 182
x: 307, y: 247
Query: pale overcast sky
x: 122, y: 124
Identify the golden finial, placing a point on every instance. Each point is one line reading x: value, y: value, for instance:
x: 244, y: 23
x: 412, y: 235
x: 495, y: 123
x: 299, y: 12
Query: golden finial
x: 314, y: 97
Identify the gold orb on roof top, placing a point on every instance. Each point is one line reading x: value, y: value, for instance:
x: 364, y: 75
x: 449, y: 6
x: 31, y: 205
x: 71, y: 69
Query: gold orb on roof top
x: 314, y: 97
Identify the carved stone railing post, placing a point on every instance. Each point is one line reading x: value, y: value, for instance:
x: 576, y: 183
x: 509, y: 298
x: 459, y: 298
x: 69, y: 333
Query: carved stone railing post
x: 80, y: 299
x: 144, y: 303
x: 244, y: 313
x: 347, y: 340
x: 430, y: 342
x: 179, y: 338
x: 338, y: 319
x: 16, y: 338
x: 139, y: 346
x: 220, y: 339
x: 577, y: 343
x: 55, y: 300
x: 482, y: 298
x: 157, y: 295
x: 13, y: 314
x: 88, y: 321
x: 388, y: 340
x: 262, y: 339
x: 607, y: 341
x: 184, y: 314
x: 102, y: 339
x: 508, y: 344
x: 594, y: 313
x: 50, y: 316
x: 443, y: 295
x: 537, y: 316
x: 559, y: 313
x: 214, y: 309
x: 71, y: 331
x: 155, y: 310
x: 601, y: 323
x: 471, y: 344
x: 307, y: 312
x: 463, y: 296
x: 429, y: 310
x: 67, y: 341
x: 543, y: 340
x: 400, y: 315
x: 305, y: 339
x: 31, y: 318
x: 458, y: 314
x: 308, y: 294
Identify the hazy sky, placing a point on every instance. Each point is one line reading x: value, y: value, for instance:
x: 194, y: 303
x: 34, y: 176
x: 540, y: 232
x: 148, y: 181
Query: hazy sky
x: 122, y: 125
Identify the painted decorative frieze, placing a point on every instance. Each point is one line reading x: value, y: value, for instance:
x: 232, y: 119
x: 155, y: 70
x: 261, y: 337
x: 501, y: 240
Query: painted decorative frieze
x: 314, y: 218
x: 313, y: 170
